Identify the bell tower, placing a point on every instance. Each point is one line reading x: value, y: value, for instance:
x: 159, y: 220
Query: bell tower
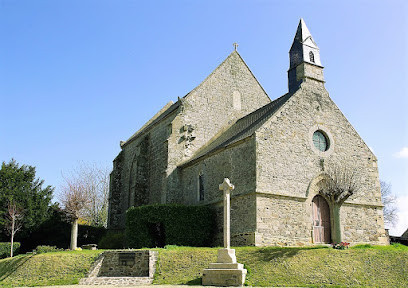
x: 304, y: 56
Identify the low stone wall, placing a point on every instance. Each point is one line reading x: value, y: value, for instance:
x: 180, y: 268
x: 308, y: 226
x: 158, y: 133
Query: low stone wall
x: 128, y: 263
x: 123, y: 267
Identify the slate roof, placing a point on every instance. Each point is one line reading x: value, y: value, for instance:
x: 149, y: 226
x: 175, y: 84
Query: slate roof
x: 241, y: 129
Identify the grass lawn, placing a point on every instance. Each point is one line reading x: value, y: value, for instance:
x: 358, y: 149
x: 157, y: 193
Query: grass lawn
x: 56, y: 268
x: 306, y: 267
x: 362, y: 266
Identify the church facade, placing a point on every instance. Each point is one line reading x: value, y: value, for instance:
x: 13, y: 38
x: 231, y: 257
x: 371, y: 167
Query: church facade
x: 279, y: 154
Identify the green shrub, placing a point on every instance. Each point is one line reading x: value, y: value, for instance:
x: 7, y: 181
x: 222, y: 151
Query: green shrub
x: 160, y: 225
x: 46, y: 249
x: 5, y: 249
x: 112, y: 240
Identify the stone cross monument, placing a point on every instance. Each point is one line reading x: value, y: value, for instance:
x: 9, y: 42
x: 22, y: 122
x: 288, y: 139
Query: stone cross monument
x: 226, y: 272
x: 227, y: 187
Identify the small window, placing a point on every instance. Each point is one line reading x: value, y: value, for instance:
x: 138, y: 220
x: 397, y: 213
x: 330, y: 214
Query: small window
x: 311, y: 56
x: 320, y: 141
x: 201, y: 187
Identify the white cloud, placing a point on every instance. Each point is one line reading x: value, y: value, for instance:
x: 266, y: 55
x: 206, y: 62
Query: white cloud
x: 403, y: 153
x: 402, y: 225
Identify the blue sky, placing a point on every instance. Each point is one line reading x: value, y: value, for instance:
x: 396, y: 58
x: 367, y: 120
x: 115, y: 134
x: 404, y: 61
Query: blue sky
x: 76, y: 77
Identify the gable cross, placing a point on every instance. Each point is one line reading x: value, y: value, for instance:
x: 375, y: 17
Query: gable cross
x: 227, y: 187
x: 235, y: 46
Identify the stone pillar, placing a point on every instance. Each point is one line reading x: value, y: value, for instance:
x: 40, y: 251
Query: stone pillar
x: 226, y: 272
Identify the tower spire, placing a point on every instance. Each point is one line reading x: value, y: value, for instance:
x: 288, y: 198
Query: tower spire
x: 304, y: 58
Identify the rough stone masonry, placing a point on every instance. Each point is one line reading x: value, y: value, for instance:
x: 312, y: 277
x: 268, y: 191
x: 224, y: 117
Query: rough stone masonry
x: 277, y: 153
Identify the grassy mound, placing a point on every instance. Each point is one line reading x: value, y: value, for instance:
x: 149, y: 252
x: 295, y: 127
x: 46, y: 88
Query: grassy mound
x: 58, y: 268
x: 305, y: 267
x: 361, y: 266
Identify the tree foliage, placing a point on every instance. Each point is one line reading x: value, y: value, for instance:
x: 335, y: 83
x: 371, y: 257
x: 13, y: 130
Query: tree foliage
x: 389, y: 200
x: 18, y: 184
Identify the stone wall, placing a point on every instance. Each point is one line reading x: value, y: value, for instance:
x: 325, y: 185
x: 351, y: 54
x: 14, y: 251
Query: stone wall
x: 143, y: 169
x: 243, y: 221
x: 115, y: 210
x: 228, y: 93
x: 362, y: 224
x: 287, y: 163
x: 238, y: 164
x: 128, y: 263
x: 122, y: 268
x: 282, y: 221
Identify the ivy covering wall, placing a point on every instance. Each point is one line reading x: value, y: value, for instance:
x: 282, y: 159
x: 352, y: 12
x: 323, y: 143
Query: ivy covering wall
x: 171, y: 224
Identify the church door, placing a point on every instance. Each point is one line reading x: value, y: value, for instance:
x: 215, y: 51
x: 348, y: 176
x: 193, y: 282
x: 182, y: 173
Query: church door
x: 321, y: 220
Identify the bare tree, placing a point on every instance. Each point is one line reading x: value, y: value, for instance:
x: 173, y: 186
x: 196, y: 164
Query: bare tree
x: 337, y: 188
x: 14, y: 222
x: 341, y: 185
x: 85, y: 196
x: 389, y: 200
x: 74, y: 198
x: 96, y: 184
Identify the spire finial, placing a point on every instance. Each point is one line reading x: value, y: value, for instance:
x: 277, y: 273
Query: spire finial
x: 235, y: 44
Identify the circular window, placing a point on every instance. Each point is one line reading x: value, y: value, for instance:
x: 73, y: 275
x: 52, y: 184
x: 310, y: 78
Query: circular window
x: 320, y: 141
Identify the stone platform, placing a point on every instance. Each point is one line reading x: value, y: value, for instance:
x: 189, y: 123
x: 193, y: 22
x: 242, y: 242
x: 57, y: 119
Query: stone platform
x: 226, y: 272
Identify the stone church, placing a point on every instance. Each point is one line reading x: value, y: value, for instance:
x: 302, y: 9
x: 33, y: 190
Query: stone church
x: 277, y: 153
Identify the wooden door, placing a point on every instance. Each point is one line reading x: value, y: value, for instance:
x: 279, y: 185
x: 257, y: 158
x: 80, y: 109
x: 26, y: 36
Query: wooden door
x: 321, y: 220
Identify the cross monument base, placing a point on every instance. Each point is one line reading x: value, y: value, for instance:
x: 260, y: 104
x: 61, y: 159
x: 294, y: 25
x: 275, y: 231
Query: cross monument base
x: 226, y: 272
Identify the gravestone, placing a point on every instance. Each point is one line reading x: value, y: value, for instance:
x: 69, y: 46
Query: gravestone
x: 226, y: 272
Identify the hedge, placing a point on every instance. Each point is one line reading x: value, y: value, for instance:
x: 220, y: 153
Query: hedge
x: 170, y: 224
x: 56, y: 231
x: 112, y: 240
x: 5, y: 249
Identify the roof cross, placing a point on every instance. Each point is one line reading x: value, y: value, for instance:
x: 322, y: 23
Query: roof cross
x: 235, y: 46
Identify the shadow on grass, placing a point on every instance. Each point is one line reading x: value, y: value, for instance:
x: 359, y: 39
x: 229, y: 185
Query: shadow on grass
x: 269, y: 253
x: 195, y: 282
x: 12, y: 266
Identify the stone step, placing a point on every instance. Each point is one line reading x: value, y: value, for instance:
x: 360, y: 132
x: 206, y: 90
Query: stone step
x: 117, y: 281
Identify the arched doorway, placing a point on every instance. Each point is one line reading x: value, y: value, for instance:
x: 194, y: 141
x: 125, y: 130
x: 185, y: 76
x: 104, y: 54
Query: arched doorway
x: 321, y: 220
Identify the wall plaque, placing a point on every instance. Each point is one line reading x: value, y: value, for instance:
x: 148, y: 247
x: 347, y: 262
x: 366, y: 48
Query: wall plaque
x: 127, y: 259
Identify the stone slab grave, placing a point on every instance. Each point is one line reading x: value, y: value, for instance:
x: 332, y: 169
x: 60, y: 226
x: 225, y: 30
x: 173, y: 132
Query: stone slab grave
x: 226, y: 272
x: 122, y: 268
